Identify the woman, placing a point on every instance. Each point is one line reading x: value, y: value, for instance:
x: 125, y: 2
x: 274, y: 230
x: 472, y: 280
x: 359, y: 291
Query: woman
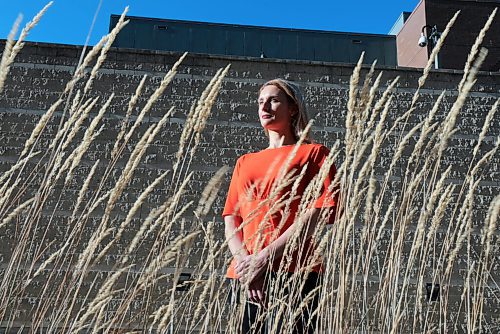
x: 264, y: 195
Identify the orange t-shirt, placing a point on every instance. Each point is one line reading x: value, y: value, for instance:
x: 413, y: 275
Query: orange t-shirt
x: 251, y: 190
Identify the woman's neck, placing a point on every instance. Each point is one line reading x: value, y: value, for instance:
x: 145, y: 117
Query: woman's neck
x: 280, y: 139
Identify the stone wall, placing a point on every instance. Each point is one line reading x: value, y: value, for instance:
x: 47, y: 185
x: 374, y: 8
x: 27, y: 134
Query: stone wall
x: 41, y: 71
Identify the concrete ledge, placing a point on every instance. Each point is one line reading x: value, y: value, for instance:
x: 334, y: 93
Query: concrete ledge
x: 68, y: 50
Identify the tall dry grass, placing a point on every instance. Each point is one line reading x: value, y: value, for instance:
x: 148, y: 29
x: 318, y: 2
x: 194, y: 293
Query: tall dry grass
x: 386, y: 244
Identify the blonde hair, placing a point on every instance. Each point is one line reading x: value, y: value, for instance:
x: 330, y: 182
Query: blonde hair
x: 296, y: 100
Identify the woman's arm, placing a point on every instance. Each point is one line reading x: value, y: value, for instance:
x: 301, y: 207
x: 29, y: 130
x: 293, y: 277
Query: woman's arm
x: 274, y: 251
x: 234, y: 238
x: 308, y: 223
x: 235, y: 243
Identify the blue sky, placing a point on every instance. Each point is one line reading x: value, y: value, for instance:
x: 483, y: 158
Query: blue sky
x: 68, y: 21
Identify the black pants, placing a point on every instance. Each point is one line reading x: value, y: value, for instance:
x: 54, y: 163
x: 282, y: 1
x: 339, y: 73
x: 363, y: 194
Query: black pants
x: 261, y: 319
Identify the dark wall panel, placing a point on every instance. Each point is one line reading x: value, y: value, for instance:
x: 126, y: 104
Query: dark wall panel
x: 251, y: 41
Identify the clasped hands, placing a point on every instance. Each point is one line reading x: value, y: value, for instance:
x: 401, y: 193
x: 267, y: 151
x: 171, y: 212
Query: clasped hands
x: 251, y: 270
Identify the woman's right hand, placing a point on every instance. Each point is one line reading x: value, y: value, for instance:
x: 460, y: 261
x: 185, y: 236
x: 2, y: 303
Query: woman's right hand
x: 256, y: 292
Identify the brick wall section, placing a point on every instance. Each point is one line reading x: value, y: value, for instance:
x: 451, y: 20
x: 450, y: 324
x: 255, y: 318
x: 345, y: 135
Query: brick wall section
x: 41, y: 71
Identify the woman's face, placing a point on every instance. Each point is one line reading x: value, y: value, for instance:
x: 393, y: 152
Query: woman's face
x: 275, y: 112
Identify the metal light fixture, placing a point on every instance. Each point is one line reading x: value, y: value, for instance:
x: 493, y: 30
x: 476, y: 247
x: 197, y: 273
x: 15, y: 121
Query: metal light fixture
x: 431, y: 37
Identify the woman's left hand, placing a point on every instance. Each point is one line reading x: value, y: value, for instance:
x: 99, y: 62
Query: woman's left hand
x: 252, y: 266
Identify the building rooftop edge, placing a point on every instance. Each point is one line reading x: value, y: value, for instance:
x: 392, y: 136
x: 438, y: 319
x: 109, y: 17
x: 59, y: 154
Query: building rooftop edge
x: 254, y: 26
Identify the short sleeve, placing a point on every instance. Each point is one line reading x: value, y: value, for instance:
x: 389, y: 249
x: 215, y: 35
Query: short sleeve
x: 329, y: 195
x: 232, y: 207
